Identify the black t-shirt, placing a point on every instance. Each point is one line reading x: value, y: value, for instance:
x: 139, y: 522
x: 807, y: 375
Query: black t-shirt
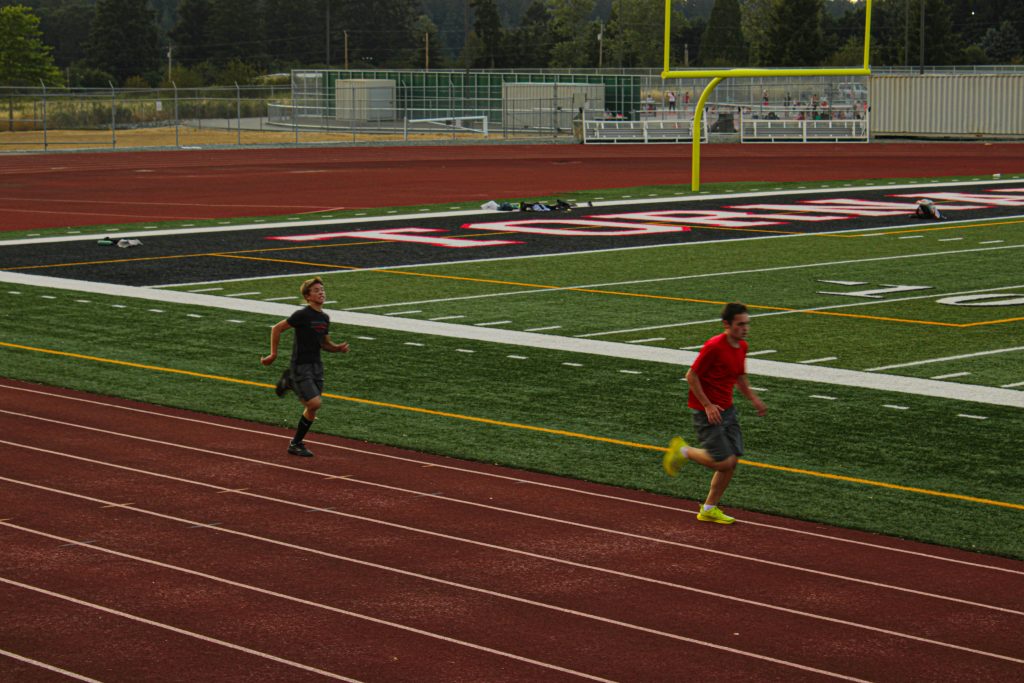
x: 310, y: 329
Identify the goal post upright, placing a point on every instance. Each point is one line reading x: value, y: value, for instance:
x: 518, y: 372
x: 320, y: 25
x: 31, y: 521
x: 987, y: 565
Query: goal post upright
x: 718, y: 75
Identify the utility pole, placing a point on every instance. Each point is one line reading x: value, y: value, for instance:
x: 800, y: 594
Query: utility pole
x: 346, y: 50
x: 426, y: 50
x: 600, y: 45
x: 906, y: 32
x: 170, y: 49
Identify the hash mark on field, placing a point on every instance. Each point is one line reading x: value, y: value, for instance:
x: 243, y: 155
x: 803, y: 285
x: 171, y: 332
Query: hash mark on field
x: 235, y: 321
x: 992, y: 242
x: 644, y: 341
x: 762, y: 352
x: 465, y: 351
x: 543, y: 329
x: 818, y: 360
x: 951, y: 239
x: 972, y: 417
x: 580, y: 365
x: 448, y: 317
x: 367, y: 338
x: 14, y: 292
x: 910, y: 237
x: 414, y: 344
x: 155, y: 310
x: 41, y: 296
x: 238, y: 294
x: 118, y: 306
x: 631, y: 372
x: 892, y: 406
x: 208, y: 289
x: 824, y: 398
x: 495, y: 322
x: 281, y: 298
x: 404, y: 313
x: 518, y: 357
x: 951, y: 375
x: 193, y: 315
x: 1011, y: 386
x: 761, y: 389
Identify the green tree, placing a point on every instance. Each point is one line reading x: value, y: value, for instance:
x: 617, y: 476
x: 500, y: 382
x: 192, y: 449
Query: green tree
x: 24, y: 58
x: 487, y: 26
x: 1002, y: 45
x: 384, y: 36
x: 756, y: 21
x: 123, y: 40
x: 66, y: 27
x: 529, y: 45
x: 575, y: 36
x: 235, y: 32
x: 795, y: 35
x: 191, y: 34
x: 291, y: 29
x: 723, y: 43
x: 635, y: 30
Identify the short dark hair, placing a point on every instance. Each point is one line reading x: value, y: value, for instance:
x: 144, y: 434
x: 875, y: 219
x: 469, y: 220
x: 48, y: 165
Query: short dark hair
x: 732, y: 310
x: 308, y: 285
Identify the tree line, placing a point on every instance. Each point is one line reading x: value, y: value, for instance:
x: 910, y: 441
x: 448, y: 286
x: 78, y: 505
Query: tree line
x: 199, y: 42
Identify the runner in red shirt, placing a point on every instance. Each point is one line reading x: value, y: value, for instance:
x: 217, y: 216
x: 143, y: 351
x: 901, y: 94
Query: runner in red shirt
x: 720, y: 365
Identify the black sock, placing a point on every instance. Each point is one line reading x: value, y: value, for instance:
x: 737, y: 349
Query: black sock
x: 300, y: 432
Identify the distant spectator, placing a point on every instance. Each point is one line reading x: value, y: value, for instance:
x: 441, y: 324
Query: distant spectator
x: 671, y: 101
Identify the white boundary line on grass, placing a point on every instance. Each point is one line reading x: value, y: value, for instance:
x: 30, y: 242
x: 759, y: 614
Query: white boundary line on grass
x: 482, y: 212
x: 766, y: 368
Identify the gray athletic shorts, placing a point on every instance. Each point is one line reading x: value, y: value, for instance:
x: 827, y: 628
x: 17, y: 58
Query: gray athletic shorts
x: 307, y: 380
x: 723, y: 439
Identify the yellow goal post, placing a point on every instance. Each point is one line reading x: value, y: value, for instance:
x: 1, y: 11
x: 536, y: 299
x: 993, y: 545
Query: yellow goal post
x: 718, y: 75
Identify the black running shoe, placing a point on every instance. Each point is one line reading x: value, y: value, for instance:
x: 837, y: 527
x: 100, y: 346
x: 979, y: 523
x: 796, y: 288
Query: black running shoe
x: 283, y: 384
x: 300, y: 449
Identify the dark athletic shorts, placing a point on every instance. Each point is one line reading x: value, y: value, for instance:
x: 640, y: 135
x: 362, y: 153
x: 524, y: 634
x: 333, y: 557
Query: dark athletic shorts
x: 306, y: 380
x: 723, y: 439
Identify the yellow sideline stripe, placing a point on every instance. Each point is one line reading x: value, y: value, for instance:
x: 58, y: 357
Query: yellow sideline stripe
x: 515, y: 425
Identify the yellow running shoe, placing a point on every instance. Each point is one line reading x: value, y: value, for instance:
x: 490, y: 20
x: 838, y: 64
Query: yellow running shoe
x: 714, y: 515
x: 674, y: 458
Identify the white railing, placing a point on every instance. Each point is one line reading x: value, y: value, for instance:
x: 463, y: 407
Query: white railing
x: 804, y: 130
x: 648, y: 129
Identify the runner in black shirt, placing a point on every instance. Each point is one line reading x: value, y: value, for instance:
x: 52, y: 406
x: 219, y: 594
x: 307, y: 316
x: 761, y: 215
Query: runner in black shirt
x: 305, y: 373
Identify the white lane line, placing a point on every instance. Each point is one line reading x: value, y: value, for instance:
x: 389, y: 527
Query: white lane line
x: 231, y: 320
x: 82, y: 301
x: 41, y: 296
x: 414, y: 344
x: 951, y: 239
x: 574, y: 365
x: 910, y: 237
x: 892, y: 406
x: 366, y: 338
x: 156, y: 310
x: 631, y: 372
x: 207, y: 289
x: 992, y: 242
x: 762, y: 352
x: 824, y: 398
x: 945, y: 358
x: 818, y: 360
x: 193, y: 315
x: 494, y: 475
x: 543, y: 329
x: 282, y: 298
x: 1015, y: 384
x: 375, y: 620
x: 448, y: 317
x: 514, y: 357
x: 264, y: 539
x: 457, y: 501
x: 239, y: 294
x: 157, y: 624
x: 972, y: 417
x: 404, y: 313
x: 951, y: 375
x: 645, y: 341
x: 465, y: 351
x: 48, y: 667
x: 493, y: 323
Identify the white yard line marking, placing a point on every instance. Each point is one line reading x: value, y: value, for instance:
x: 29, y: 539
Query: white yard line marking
x: 243, y: 294
x: 655, y: 354
x: 464, y: 470
x: 465, y: 351
x: 972, y: 417
x: 282, y: 298
x: 48, y: 667
x: 631, y: 372
x: 219, y: 529
x: 824, y: 398
x: 992, y: 242
x: 644, y: 341
x: 818, y: 360
x: 414, y: 344
x: 951, y: 239
x: 573, y: 365
x: 493, y: 323
x: 1015, y: 384
x: 911, y: 237
x: 518, y: 357
x: 448, y: 317
x: 207, y: 289
x: 951, y: 375
x: 404, y: 313
x: 945, y: 358
x: 543, y: 329
x: 762, y: 352
x: 193, y: 315
x: 366, y: 338
x: 895, y: 407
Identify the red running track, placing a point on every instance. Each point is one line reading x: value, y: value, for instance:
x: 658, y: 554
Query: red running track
x: 143, y: 542
x: 58, y: 190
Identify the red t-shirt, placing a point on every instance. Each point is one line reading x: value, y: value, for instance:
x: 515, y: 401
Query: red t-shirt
x: 718, y: 366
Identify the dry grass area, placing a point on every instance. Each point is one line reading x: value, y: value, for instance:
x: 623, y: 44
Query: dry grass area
x: 34, y: 141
